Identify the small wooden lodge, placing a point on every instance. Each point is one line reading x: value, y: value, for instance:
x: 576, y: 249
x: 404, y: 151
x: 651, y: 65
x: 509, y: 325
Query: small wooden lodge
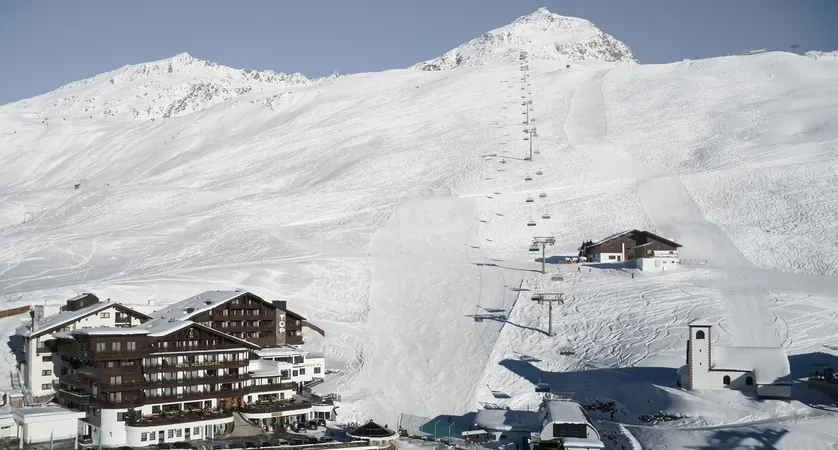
x: 632, y: 245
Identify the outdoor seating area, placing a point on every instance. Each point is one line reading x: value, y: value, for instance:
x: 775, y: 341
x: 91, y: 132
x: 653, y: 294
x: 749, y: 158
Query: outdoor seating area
x: 173, y: 417
x: 271, y: 406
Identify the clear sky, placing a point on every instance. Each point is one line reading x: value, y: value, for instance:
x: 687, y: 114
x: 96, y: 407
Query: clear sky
x: 46, y: 44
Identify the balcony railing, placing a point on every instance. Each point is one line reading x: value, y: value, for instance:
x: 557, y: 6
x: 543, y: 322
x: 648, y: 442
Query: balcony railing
x: 255, y: 408
x: 179, y: 417
x: 170, y: 382
x: 270, y: 387
x: 78, y: 398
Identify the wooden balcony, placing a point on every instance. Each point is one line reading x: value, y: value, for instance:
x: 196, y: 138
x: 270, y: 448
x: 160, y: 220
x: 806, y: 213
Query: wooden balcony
x: 166, y: 382
x: 196, y: 365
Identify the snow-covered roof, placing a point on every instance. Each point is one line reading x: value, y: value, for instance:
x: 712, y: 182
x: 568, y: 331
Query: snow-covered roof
x: 62, y: 318
x: 633, y: 230
x: 699, y: 323
x: 570, y: 442
x: 563, y: 412
x: 36, y: 411
x: 285, y: 350
x: 265, y: 368
x: 507, y: 420
x: 769, y: 364
x: 107, y: 331
x: 195, y: 305
x: 162, y: 327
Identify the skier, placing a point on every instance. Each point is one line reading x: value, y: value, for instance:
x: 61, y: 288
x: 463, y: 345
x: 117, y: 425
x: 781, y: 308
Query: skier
x: 632, y: 275
x: 579, y: 269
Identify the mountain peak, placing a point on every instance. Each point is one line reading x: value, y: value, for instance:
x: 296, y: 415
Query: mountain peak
x: 542, y: 35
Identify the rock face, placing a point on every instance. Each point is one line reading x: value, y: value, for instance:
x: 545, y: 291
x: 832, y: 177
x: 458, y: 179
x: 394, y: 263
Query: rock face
x: 542, y: 35
x: 160, y: 89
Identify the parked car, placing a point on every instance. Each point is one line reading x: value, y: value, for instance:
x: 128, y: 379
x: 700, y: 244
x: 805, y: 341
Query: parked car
x: 251, y: 444
x: 311, y: 425
x: 164, y: 446
x: 325, y: 438
x: 321, y: 422
x: 278, y: 442
x: 297, y: 441
x: 220, y: 446
x: 124, y: 447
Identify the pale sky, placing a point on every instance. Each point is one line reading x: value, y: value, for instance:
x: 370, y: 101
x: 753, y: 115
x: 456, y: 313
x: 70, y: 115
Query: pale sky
x: 46, y: 44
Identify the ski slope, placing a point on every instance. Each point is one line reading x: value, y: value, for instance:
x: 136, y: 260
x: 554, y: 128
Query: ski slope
x: 377, y: 205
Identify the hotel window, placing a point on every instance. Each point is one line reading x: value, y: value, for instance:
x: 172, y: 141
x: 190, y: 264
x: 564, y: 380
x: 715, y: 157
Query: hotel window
x: 120, y: 417
x: 143, y: 437
x: 116, y: 346
x: 111, y: 364
x: 153, y: 435
x: 171, y: 434
x: 316, y: 370
x: 179, y: 432
x: 46, y: 373
x: 46, y: 386
x: 47, y: 358
x: 100, y: 346
x: 130, y: 346
x: 105, y: 315
x: 116, y: 380
x: 196, y: 431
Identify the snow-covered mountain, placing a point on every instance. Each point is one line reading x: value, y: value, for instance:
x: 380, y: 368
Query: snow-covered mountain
x: 379, y: 207
x: 817, y: 54
x: 542, y: 35
x: 170, y: 87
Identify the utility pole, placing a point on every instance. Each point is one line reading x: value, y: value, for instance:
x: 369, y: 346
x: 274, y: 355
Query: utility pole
x: 543, y: 241
x: 550, y: 298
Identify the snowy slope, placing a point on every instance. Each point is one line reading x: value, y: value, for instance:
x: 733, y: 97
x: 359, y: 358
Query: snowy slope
x: 542, y: 35
x: 171, y: 87
x: 377, y: 206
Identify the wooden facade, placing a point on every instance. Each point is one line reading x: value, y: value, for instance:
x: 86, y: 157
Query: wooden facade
x: 130, y: 370
x: 633, y: 244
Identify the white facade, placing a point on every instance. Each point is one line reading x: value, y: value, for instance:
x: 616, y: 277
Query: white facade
x: 658, y: 263
x: 764, y: 370
x: 301, y: 366
x: 39, y: 370
x: 610, y: 257
x: 37, y: 424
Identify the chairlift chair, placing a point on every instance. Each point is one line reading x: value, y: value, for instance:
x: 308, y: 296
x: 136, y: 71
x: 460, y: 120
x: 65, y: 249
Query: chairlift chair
x: 531, y: 223
x: 542, y: 194
x: 546, y: 215
x: 542, y: 387
x: 537, y: 152
x: 528, y: 178
x: 530, y: 199
x: 526, y: 138
x: 534, y: 247
x: 539, y: 172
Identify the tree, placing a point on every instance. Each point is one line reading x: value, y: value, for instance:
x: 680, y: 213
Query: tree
x: 794, y: 48
x: 131, y: 415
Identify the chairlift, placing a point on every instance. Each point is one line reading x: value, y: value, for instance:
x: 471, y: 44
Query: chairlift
x: 542, y: 195
x: 526, y: 138
x: 546, y: 215
x: 530, y: 199
x: 534, y: 247
x: 539, y: 172
x: 530, y: 223
x: 537, y: 152
x: 528, y: 178
x: 542, y: 387
x: 567, y: 350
